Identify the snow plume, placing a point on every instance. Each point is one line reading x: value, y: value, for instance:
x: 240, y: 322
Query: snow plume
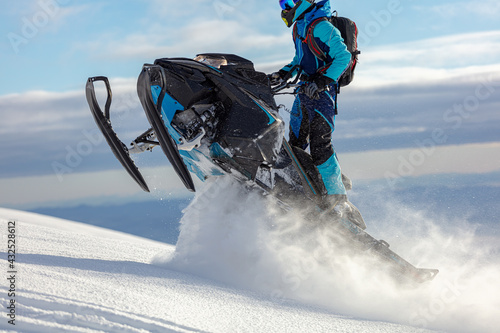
x: 237, y: 237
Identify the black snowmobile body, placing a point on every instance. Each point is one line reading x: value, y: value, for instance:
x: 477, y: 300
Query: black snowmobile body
x: 216, y: 115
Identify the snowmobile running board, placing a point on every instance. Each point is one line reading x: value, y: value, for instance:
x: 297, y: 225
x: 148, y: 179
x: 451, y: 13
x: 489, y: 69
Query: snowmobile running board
x: 103, y: 121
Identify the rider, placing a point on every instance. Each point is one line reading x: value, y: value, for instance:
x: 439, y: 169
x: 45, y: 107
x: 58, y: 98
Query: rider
x: 313, y: 113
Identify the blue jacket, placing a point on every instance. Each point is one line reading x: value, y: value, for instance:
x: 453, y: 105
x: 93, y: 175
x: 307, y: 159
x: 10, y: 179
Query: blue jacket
x: 328, y: 38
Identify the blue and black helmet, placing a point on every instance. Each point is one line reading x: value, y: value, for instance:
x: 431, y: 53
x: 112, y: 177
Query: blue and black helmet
x: 294, y: 10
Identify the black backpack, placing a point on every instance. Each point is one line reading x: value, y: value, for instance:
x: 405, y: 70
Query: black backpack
x: 348, y: 31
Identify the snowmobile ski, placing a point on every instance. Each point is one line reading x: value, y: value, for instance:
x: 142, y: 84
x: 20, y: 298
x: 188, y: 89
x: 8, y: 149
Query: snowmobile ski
x: 103, y: 121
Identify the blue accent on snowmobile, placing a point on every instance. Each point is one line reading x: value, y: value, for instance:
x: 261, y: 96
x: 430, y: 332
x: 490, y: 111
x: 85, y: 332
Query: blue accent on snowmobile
x: 191, y: 158
x: 169, y: 107
x: 194, y: 161
x: 271, y: 117
x: 216, y: 151
x: 153, y: 112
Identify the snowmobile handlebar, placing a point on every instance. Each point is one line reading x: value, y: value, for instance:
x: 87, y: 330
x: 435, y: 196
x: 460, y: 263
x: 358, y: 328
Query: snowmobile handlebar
x: 285, y: 85
x: 286, y: 82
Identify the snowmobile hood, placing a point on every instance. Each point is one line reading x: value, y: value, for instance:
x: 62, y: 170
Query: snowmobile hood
x: 322, y: 9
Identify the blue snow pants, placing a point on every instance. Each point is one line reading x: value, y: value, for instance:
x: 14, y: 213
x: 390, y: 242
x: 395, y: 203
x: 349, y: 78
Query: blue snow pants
x: 312, y: 122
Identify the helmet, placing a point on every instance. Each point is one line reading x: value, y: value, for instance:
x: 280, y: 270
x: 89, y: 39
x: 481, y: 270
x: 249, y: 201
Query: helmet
x: 294, y: 10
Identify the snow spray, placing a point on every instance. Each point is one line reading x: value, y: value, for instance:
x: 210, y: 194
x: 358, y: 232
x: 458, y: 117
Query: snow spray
x: 241, y: 238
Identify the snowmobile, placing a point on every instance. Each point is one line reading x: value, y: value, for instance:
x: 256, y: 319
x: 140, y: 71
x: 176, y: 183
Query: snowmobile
x: 216, y: 115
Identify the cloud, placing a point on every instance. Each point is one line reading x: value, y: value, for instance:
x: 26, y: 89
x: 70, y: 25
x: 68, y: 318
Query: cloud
x: 451, y: 58
x: 41, y: 111
x: 442, y: 52
x: 401, y: 92
x: 110, y: 186
x: 433, y: 59
x: 166, y: 9
x: 170, y: 30
x: 380, y: 131
x: 39, y: 128
x: 424, y: 160
x: 113, y: 186
x: 47, y: 127
x: 43, y: 15
x: 485, y: 9
x: 391, y: 124
x: 224, y: 36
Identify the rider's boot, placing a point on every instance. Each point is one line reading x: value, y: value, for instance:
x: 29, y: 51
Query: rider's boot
x: 335, y: 203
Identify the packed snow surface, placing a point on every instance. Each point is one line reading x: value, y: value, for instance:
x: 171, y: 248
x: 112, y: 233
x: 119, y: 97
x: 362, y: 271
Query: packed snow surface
x: 241, y: 270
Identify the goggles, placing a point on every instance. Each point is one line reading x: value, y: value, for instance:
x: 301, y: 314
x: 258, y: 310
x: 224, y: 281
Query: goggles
x: 288, y: 4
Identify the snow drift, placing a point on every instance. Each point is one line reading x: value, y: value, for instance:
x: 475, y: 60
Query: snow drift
x: 73, y: 277
x: 239, y: 238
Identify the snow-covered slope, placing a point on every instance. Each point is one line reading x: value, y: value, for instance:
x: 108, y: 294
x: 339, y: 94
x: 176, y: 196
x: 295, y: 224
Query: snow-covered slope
x: 72, y: 277
x: 241, y: 270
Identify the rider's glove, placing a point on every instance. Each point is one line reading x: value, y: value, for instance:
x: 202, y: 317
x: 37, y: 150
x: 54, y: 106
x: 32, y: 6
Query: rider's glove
x: 320, y: 84
x: 277, y: 77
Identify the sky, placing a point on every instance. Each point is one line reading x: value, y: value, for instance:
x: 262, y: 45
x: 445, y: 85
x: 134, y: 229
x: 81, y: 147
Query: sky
x: 427, y: 82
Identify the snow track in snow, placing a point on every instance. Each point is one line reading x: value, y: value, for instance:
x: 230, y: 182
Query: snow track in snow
x: 44, y: 310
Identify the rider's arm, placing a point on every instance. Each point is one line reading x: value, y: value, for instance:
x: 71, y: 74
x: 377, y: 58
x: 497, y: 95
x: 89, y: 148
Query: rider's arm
x: 335, y: 48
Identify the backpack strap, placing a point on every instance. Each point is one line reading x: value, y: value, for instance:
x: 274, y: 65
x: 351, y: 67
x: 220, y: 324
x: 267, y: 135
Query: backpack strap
x: 311, y: 42
x: 309, y: 39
